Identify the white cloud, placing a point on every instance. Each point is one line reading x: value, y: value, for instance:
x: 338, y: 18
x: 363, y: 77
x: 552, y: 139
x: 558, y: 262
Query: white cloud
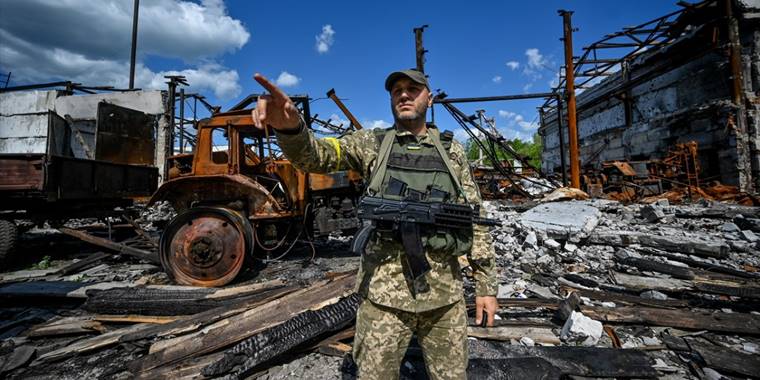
x: 535, y: 59
x: 335, y: 119
x: 460, y: 135
x: 287, y: 79
x: 372, y: 124
x: 513, y: 65
x: 532, y: 126
x: 555, y: 80
x: 527, y: 87
x: 515, y: 119
x: 325, y: 39
x: 170, y: 28
x: 90, y: 44
x: 208, y: 77
x: 496, y: 79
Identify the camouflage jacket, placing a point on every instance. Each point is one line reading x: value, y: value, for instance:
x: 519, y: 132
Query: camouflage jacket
x: 381, y: 277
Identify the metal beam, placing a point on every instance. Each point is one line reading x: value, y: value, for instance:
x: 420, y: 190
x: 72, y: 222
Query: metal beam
x: 133, y: 55
x: 540, y: 95
x: 572, y: 130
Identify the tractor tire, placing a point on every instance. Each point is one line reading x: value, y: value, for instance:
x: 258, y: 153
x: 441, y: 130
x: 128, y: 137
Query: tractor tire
x: 8, y: 236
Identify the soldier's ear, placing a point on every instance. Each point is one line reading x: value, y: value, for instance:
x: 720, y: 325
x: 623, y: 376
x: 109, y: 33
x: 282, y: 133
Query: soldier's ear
x: 430, y: 99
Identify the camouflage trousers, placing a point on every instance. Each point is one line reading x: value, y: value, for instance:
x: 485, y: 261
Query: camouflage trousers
x: 383, y: 334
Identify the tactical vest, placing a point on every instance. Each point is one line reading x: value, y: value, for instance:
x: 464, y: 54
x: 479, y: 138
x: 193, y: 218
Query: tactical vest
x: 423, y: 172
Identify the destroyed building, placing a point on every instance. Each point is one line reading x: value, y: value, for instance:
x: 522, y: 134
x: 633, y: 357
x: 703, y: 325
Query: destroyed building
x: 692, y: 75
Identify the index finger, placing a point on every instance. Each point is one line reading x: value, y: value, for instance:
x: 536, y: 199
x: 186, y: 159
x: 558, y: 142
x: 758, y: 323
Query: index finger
x: 271, y: 87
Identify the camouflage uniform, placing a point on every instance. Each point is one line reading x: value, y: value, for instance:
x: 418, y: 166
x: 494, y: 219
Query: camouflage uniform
x: 431, y: 307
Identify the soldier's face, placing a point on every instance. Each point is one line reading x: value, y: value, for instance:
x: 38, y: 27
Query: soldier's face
x: 409, y: 100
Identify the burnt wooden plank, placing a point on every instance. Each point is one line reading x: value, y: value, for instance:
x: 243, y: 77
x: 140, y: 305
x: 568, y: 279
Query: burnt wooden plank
x: 684, y: 319
x: 726, y: 359
x: 190, y: 323
x: 83, y: 264
x: 620, y: 298
x: 241, y: 326
x: 568, y: 360
x: 242, y: 358
x: 655, y: 266
x: 700, y: 264
x: 150, y: 301
x: 105, y: 243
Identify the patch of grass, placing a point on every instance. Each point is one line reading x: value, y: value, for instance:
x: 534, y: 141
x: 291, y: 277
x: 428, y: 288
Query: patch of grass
x: 45, y: 263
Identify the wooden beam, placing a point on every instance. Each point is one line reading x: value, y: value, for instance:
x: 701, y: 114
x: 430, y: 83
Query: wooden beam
x: 241, y: 326
x: 105, y: 243
x: 507, y: 333
x: 683, y: 319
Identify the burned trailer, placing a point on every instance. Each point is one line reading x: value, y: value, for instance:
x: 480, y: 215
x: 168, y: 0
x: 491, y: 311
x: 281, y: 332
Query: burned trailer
x: 64, y: 156
x: 240, y: 199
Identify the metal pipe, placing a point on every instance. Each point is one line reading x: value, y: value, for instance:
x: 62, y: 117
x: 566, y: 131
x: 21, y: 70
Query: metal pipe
x: 172, y: 98
x: 572, y: 130
x: 339, y: 103
x: 419, y: 48
x: 563, y: 164
x: 135, y: 13
x: 494, y: 98
x: 182, y: 121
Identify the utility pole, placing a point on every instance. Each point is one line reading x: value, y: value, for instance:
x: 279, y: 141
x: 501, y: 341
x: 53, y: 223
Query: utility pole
x: 134, y: 45
x: 572, y: 128
x: 420, y: 48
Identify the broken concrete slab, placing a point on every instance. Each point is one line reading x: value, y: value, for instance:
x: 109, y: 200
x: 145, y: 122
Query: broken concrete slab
x: 652, y: 213
x: 749, y: 236
x: 729, y: 227
x: 581, y: 329
x: 562, y: 220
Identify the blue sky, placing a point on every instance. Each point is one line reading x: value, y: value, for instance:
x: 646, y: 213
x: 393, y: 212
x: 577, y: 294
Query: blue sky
x: 470, y: 45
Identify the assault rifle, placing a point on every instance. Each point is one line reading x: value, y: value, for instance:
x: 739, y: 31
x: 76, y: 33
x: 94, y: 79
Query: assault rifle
x: 405, y: 218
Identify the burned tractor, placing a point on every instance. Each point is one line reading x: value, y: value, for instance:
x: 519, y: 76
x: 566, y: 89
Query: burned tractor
x: 241, y: 200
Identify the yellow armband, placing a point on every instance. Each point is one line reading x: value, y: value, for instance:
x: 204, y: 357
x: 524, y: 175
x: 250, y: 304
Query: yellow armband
x: 336, y: 144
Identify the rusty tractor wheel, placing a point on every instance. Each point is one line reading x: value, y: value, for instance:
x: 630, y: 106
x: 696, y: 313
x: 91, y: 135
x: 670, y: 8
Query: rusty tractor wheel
x: 205, y: 246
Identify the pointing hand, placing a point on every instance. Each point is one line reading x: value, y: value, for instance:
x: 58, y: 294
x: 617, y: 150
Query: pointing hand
x: 276, y: 109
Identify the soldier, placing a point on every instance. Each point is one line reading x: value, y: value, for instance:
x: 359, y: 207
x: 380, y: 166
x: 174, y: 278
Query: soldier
x: 395, y: 305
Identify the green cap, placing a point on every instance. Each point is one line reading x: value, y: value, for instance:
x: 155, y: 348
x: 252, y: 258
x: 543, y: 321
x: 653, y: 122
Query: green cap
x: 415, y: 75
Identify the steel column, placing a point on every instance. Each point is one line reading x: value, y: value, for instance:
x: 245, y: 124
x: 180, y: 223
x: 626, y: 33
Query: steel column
x: 572, y: 130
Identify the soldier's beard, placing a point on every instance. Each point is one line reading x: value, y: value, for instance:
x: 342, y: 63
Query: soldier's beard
x: 409, y: 117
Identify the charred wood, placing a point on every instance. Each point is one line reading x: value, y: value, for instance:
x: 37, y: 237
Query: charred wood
x: 148, y: 301
x: 246, y: 355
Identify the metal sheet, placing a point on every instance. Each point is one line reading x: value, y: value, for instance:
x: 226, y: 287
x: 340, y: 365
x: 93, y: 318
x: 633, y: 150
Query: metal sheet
x: 24, y: 133
x: 21, y: 172
x: 124, y: 135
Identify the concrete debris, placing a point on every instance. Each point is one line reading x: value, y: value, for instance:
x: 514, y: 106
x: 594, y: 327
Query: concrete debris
x: 525, y: 341
x: 560, y: 220
x: 729, y: 227
x: 581, y: 329
x: 652, y: 213
x: 749, y: 236
x: 552, y: 244
x: 711, y: 374
x: 531, y: 240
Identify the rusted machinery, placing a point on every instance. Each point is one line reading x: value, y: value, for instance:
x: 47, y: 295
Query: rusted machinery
x: 632, y: 180
x: 239, y: 199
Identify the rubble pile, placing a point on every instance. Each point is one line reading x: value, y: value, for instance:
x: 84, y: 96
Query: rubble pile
x: 655, y: 277
x: 589, y: 288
